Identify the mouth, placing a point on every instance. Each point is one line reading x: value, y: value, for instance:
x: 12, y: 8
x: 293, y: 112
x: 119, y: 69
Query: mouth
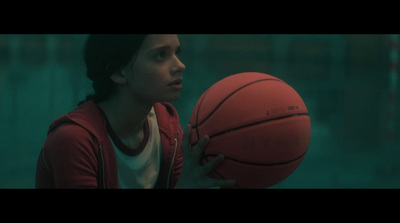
x: 177, y: 84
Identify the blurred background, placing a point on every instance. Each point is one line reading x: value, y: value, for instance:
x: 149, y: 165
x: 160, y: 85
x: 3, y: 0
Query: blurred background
x: 348, y: 83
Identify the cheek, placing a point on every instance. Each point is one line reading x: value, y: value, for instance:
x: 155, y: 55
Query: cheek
x: 147, y: 82
x: 150, y: 82
x: 150, y: 74
x: 142, y: 75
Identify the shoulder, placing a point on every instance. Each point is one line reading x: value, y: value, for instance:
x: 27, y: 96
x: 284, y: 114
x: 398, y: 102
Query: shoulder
x: 166, y: 111
x: 83, y: 123
x: 71, y: 155
x: 70, y: 146
x: 70, y: 139
x: 167, y: 117
x: 69, y: 133
x: 166, y: 108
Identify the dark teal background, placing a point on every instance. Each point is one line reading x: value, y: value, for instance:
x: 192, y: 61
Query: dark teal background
x: 343, y: 79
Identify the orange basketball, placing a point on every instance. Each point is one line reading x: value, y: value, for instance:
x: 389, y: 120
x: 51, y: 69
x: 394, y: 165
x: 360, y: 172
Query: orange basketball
x: 258, y: 122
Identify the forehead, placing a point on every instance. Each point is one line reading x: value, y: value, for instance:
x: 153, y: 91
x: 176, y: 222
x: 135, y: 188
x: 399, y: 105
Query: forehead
x: 159, y: 40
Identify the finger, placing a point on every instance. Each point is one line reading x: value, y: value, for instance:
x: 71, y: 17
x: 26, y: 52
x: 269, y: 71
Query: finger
x: 185, y: 141
x: 223, y: 183
x: 199, y: 149
x: 208, y: 167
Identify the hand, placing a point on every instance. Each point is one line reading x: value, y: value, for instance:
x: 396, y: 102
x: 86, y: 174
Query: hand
x: 193, y: 174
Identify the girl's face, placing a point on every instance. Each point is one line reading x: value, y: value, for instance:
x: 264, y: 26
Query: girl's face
x: 156, y: 74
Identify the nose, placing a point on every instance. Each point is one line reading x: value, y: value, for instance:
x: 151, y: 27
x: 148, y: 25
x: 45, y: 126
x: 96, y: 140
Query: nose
x: 178, y: 67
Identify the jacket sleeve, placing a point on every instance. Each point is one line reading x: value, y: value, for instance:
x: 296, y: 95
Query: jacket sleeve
x: 70, y: 155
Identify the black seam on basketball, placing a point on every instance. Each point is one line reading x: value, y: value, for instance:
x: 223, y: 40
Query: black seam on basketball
x: 248, y: 125
x: 197, y: 115
x: 222, y: 177
x: 256, y: 164
x: 256, y: 123
x: 226, y: 98
x: 237, y: 185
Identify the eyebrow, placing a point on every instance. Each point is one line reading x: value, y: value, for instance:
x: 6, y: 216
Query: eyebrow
x: 161, y: 48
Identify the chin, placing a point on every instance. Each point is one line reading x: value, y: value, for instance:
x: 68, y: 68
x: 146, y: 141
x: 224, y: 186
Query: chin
x: 170, y: 98
x: 174, y: 98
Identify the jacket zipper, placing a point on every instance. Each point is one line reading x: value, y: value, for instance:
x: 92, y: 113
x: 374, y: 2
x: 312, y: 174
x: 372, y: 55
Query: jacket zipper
x: 102, y: 184
x: 169, y: 181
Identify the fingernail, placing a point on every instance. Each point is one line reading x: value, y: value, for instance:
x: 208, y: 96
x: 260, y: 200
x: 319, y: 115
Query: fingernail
x: 205, y: 138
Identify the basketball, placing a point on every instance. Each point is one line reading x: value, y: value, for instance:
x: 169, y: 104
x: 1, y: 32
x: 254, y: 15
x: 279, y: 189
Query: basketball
x: 258, y: 122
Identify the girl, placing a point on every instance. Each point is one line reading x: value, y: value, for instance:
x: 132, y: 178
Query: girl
x: 126, y: 135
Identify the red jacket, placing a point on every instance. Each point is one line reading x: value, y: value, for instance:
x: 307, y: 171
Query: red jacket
x: 79, y: 154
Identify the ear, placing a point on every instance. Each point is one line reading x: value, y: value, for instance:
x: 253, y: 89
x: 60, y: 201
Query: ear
x: 119, y: 78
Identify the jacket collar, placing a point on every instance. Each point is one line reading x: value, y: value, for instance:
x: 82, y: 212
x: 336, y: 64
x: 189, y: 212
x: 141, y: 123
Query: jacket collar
x: 89, y: 117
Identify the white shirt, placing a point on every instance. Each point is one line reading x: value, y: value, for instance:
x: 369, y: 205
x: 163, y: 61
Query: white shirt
x: 141, y: 170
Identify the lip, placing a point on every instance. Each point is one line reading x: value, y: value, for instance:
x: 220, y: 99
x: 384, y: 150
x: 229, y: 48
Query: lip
x: 177, y: 83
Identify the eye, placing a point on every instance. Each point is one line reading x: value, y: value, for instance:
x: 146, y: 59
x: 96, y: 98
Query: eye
x: 160, y: 55
x: 178, y: 52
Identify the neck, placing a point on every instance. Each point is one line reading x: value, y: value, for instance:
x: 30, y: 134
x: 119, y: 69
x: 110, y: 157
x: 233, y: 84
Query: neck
x: 125, y: 115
